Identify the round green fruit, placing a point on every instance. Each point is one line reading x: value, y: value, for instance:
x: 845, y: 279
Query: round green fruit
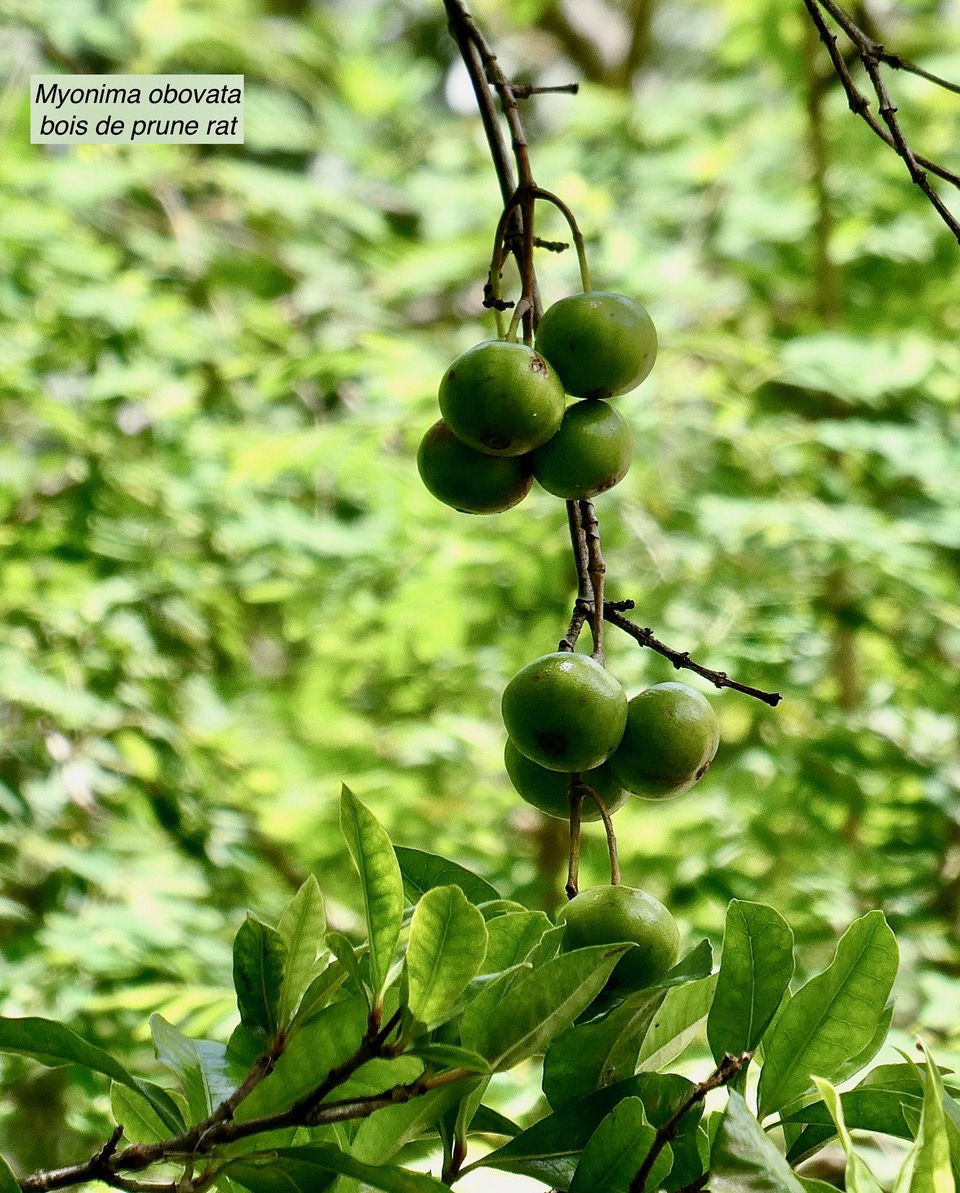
x: 608, y: 914
x: 600, y: 344
x: 565, y: 712
x: 502, y: 398
x: 671, y: 738
x: 471, y: 481
x: 548, y: 790
x: 588, y: 455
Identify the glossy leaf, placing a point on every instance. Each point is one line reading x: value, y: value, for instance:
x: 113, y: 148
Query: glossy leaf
x: 201, y: 1066
x: 697, y: 964
x: 539, y: 1005
x: 297, y: 1169
x: 422, y: 871
x: 140, y: 1122
x: 381, y: 1136
x: 380, y: 882
x: 831, y: 1018
x: 678, y: 1021
x: 301, y: 928
x: 259, y: 956
x: 744, y: 1159
x: 53, y: 1044
x: 616, y: 1150
x: 320, y: 992
x: 448, y: 938
x: 858, y: 1177
x: 755, y: 969
x: 927, y: 1166
x: 585, y: 1057
x: 511, y: 939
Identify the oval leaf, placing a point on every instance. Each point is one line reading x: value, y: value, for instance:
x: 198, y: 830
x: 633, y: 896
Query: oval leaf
x: 301, y: 928
x: 833, y: 1017
x: 756, y: 966
x: 380, y: 882
x: 615, y: 1151
x: 258, y: 960
x: 423, y: 871
x: 297, y: 1170
x: 744, y: 1159
x: 538, y: 1006
x: 448, y: 938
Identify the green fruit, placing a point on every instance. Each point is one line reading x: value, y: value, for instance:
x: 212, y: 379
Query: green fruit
x: 501, y: 398
x: 600, y: 344
x: 608, y: 914
x: 565, y: 711
x: 671, y: 738
x: 470, y: 481
x: 588, y: 455
x: 548, y: 790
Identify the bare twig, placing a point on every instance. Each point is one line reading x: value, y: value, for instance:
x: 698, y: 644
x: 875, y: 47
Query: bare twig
x: 872, y: 54
x: 681, y: 658
x: 576, y: 810
x: 596, y: 569
x: 589, y: 793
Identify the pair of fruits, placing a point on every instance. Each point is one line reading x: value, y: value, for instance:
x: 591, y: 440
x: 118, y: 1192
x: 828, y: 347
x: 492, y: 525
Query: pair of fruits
x: 566, y: 714
x: 505, y: 419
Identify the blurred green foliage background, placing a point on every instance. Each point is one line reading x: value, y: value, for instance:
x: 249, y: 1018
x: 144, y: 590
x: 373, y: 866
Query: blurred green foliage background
x: 224, y: 591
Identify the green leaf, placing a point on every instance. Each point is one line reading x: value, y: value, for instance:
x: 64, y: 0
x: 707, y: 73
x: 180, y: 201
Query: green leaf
x: 201, y: 1066
x: 383, y: 1134
x: 53, y: 1044
x: 831, y: 1018
x: 319, y: 993
x: 538, y: 1006
x: 744, y: 1159
x: 423, y: 871
x: 863, y: 1108
x: 927, y: 1166
x: 301, y: 928
x: 380, y: 882
x: 616, y: 1150
x: 676, y: 1023
x: 550, y: 1150
x: 697, y: 964
x: 756, y: 966
x: 326, y: 1041
x: 488, y: 1121
x: 584, y: 1058
x: 346, y: 955
x: 448, y: 938
x: 448, y: 1056
x: 866, y: 1054
x: 296, y: 1169
x: 858, y: 1177
x: 259, y: 955
x: 511, y: 938
x: 132, y: 1111
x: 8, y: 1182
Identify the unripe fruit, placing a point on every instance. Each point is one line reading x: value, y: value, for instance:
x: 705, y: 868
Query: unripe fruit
x: 470, y: 481
x: 588, y: 455
x: 671, y: 738
x: 600, y: 344
x: 608, y: 914
x: 565, y: 711
x: 548, y: 790
x: 501, y: 398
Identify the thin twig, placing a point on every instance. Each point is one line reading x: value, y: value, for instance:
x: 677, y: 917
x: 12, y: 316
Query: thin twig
x: 871, y: 54
x: 576, y: 809
x: 681, y: 658
x: 589, y: 793
x: 596, y: 569
x: 724, y: 1073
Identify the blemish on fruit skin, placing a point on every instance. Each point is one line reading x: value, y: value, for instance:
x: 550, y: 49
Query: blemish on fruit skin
x: 538, y: 364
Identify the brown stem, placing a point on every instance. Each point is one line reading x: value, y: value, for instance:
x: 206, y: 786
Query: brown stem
x: 871, y: 55
x: 576, y: 809
x: 588, y: 793
x: 680, y: 658
x: 595, y: 571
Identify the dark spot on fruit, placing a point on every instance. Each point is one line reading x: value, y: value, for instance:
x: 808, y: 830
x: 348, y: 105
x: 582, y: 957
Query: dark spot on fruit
x: 496, y: 443
x: 703, y: 770
x: 538, y: 364
x: 551, y: 743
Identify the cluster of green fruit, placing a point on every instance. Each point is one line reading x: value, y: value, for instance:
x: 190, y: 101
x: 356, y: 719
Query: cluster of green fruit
x: 505, y: 419
x: 564, y: 715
